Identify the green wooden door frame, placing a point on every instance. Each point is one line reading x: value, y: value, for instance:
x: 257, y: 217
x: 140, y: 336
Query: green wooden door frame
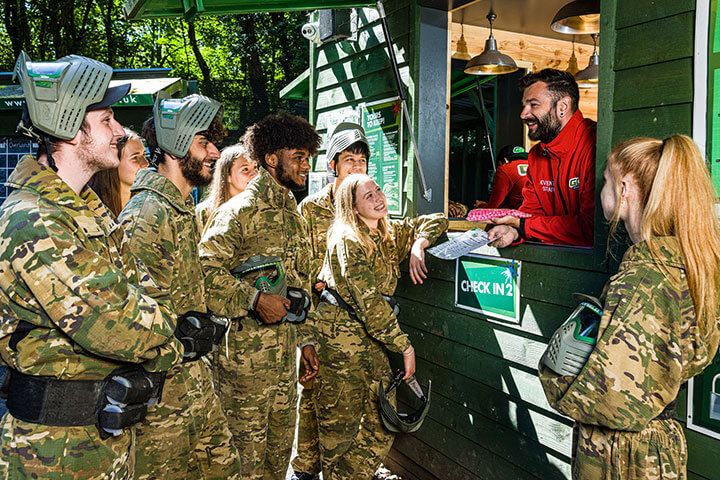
x: 142, y: 9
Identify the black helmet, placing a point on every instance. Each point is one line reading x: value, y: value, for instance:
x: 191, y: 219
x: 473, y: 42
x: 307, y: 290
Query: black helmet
x: 404, y: 422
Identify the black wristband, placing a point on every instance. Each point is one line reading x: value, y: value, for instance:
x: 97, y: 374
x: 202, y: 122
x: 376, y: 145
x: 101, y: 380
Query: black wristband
x: 521, y: 229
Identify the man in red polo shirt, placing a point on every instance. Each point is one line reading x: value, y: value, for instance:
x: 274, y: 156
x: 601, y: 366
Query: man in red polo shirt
x: 560, y: 189
x: 509, y: 180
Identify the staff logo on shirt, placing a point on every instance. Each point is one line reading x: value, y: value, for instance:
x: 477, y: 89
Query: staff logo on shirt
x: 522, y: 170
x: 574, y: 183
x: 547, y: 185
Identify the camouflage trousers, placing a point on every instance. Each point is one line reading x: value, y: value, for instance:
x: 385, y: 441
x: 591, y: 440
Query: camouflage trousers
x: 659, y: 452
x: 186, y: 435
x: 308, y: 447
x: 353, y: 440
x: 30, y: 450
x: 257, y: 382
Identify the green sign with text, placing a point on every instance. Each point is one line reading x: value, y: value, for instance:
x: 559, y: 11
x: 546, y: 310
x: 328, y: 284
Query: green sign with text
x: 489, y: 285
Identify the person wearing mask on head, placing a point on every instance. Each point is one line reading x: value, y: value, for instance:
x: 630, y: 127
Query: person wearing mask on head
x: 658, y: 325
x: 509, y: 180
x: 256, y: 257
x: 559, y: 192
x: 113, y: 185
x: 348, y: 152
x: 232, y: 174
x: 86, y: 350
x: 185, y: 435
x: 358, y: 328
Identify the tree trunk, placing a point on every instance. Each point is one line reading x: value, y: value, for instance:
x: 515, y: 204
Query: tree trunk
x: 16, y: 25
x: 255, y: 74
x: 204, y: 68
x: 109, y: 38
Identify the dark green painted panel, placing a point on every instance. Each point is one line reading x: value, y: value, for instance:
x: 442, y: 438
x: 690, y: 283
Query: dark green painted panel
x: 481, y: 462
x: 433, y: 461
x: 657, y: 122
x: 357, y: 68
x: 409, y: 469
x: 654, y: 42
x: 639, y: 11
x: 373, y: 85
x: 503, y: 442
x: 539, y: 319
x: 694, y: 476
x: 664, y: 83
x: 545, y: 427
x: 703, y: 455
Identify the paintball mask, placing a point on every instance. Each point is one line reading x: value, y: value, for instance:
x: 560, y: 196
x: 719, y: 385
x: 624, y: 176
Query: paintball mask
x: 572, y: 343
x: 404, y: 422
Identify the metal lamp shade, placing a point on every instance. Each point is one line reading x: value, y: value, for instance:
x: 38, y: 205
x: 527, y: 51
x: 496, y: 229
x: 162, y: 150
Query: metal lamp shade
x: 578, y: 18
x: 462, y: 50
x: 588, y: 77
x: 491, y: 61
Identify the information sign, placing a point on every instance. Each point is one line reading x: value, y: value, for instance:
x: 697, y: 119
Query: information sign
x: 382, y: 122
x: 489, y: 285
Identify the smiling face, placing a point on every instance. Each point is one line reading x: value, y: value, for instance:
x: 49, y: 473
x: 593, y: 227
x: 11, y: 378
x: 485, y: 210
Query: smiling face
x: 242, y: 172
x: 541, y: 113
x: 197, y: 165
x: 348, y: 163
x: 132, y: 159
x: 97, y: 147
x: 292, y: 167
x: 370, y: 202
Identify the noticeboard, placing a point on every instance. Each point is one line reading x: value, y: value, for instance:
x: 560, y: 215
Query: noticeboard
x: 489, y: 285
x: 382, y: 122
x: 703, y: 407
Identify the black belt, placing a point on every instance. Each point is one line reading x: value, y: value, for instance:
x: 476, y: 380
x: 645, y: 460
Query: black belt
x: 330, y: 296
x: 112, y: 404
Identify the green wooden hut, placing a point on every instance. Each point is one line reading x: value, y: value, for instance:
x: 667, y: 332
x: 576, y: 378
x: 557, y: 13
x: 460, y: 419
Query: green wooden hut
x: 489, y: 417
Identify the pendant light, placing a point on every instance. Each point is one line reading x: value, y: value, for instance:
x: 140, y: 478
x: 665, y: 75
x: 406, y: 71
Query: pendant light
x: 588, y: 78
x: 578, y: 18
x: 462, y: 50
x: 573, y: 68
x: 491, y: 61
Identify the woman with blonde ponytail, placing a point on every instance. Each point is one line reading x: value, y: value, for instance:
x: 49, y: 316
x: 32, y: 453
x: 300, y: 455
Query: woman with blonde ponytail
x: 660, y: 320
x: 362, y: 265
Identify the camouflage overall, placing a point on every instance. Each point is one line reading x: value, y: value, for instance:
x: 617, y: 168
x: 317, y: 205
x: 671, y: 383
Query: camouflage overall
x: 352, y: 352
x: 186, y: 434
x: 60, y: 271
x: 257, y: 374
x: 318, y: 211
x: 649, y: 344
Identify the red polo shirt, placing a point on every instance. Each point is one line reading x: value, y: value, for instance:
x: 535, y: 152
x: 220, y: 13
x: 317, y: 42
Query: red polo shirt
x: 560, y: 187
x: 508, y: 184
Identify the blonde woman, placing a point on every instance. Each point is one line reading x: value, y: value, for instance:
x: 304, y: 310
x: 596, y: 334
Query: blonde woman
x: 659, y: 326
x: 113, y: 185
x: 233, y: 172
x: 361, y: 265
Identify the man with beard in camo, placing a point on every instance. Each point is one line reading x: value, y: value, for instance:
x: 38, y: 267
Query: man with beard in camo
x: 257, y: 374
x: 560, y: 190
x: 186, y: 434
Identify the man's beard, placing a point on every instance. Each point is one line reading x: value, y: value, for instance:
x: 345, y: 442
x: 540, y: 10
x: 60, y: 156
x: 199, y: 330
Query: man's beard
x: 548, y: 127
x: 284, y: 179
x: 191, y: 169
x: 92, y: 158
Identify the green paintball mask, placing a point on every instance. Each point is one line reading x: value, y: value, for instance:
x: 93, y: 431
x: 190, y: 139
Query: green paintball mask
x: 178, y: 120
x: 572, y: 343
x: 267, y: 274
x: 404, y: 422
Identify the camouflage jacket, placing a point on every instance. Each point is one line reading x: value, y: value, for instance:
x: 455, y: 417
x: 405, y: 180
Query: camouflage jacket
x: 361, y: 280
x: 160, y: 243
x: 60, y: 271
x: 649, y: 344
x: 318, y: 211
x: 202, y: 214
x: 262, y: 220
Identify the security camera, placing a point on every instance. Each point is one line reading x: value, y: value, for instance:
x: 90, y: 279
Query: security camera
x: 311, y: 31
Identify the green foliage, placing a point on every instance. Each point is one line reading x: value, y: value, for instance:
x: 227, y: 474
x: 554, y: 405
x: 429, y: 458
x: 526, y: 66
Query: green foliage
x: 242, y: 60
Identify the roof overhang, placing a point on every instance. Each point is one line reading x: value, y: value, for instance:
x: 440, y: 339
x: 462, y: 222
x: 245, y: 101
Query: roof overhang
x: 141, y: 9
x: 142, y: 92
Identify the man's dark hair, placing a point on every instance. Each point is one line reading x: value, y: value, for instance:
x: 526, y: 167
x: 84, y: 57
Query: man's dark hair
x: 216, y: 133
x: 357, y: 148
x: 277, y: 132
x: 559, y: 83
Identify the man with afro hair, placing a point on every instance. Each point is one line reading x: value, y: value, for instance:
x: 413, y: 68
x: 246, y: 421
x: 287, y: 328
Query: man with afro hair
x: 261, y: 226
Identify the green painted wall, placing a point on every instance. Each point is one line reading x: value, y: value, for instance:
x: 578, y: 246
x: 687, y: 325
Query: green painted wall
x: 489, y: 417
